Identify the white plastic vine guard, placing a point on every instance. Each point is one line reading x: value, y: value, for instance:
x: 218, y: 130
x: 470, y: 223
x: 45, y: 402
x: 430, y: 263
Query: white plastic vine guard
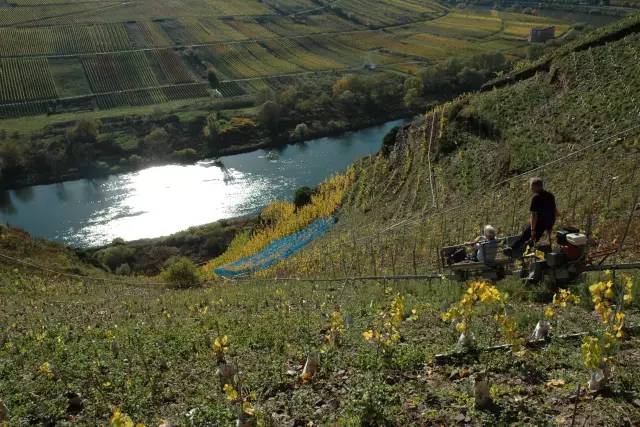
x: 600, y: 377
x: 348, y: 320
x: 541, y: 331
x: 244, y: 421
x: 226, y: 374
x: 4, y: 412
x: 311, y: 367
x: 467, y: 339
x: 481, y: 391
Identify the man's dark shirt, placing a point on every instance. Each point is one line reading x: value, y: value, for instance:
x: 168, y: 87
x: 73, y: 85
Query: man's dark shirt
x: 544, y: 205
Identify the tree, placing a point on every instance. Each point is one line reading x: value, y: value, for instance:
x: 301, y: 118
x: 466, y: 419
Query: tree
x: 114, y: 256
x: 11, y: 154
x: 80, y: 143
x: 412, y: 99
x: 211, y: 130
x: 302, y: 196
x: 348, y: 101
x: 212, y: 77
x: 11, y: 159
x: 288, y: 97
x: 470, y: 78
x: 301, y: 130
x: 389, y: 140
x: 266, y: 94
x: 157, y: 143
x: 414, y: 83
x: 123, y: 270
x: 84, y: 132
x: 269, y: 113
x: 535, y: 50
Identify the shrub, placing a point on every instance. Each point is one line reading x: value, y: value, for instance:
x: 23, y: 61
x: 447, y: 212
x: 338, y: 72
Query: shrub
x: 182, y: 273
x: 101, y: 169
x: 115, y: 256
x: 157, y: 143
x: 212, y: 77
x: 118, y: 241
x: 269, y: 113
x: 84, y: 132
x: 389, y: 140
x: 123, y: 270
x: 187, y: 155
x: 301, y: 130
x: 135, y: 161
x: 302, y: 196
x: 238, y: 128
x: 535, y: 50
x: 334, y: 126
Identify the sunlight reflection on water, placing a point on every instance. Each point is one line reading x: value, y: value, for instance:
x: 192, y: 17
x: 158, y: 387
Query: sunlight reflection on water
x: 166, y: 199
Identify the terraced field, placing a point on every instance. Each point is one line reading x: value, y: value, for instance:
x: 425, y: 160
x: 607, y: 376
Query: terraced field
x: 131, y: 53
x: 172, y: 67
x: 25, y: 80
x: 111, y: 73
x: 63, y: 40
x: 390, y: 12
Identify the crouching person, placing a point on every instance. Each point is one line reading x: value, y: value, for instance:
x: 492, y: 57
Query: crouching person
x: 489, y: 235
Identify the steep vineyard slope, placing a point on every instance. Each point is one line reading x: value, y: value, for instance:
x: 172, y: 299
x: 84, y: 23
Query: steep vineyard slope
x: 467, y: 163
x: 95, y: 353
x: 578, y: 97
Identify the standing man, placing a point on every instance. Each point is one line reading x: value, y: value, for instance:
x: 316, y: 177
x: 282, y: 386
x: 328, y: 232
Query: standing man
x: 543, y: 214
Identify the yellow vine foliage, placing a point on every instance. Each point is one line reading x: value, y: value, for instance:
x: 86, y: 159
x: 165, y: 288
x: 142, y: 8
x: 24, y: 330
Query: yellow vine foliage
x: 278, y: 212
x: 385, y: 330
x: 487, y: 294
x: 609, y: 306
x: 323, y: 204
x: 120, y: 419
x: 560, y: 301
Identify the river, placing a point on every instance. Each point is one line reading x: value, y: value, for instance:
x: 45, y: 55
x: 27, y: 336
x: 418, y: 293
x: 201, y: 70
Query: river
x: 162, y: 200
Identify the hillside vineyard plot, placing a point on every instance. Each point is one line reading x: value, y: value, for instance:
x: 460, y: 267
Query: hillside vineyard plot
x: 25, y: 80
x: 142, y: 97
x: 104, y: 47
x: 63, y: 40
x: 111, y: 73
x: 390, y: 12
x: 247, y: 60
x: 31, y: 15
x: 172, y: 67
x: 153, y: 35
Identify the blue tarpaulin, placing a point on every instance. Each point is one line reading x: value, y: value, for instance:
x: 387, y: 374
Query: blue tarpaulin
x: 277, y: 250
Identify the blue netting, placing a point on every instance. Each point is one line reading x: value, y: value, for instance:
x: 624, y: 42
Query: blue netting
x: 277, y: 250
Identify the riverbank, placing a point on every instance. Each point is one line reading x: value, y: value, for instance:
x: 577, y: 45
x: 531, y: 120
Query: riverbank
x: 191, y: 155
x: 162, y: 200
x: 150, y: 256
x: 92, y: 148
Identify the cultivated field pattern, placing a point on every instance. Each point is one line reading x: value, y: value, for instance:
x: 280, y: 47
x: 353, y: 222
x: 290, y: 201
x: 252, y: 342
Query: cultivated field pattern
x: 143, y: 52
